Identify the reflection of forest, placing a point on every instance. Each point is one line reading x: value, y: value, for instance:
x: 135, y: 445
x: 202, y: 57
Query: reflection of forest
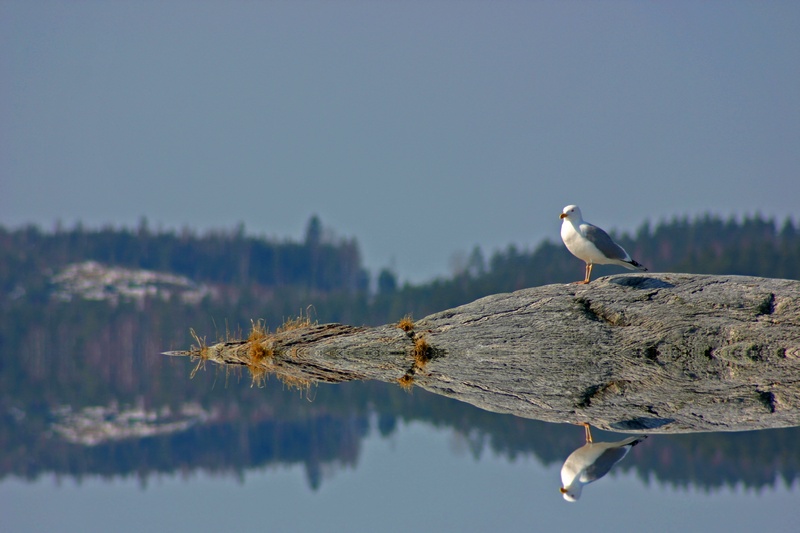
x: 84, y: 353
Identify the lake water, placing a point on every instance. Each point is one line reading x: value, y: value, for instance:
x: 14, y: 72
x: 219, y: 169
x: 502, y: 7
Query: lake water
x: 428, y: 464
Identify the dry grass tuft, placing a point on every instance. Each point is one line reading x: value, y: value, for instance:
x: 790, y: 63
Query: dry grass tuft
x: 294, y: 382
x: 259, y: 352
x: 258, y: 330
x: 422, y: 352
x: 202, y: 352
x: 202, y: 347
x: 406, y: 323
x: 296, y: 323
x: 406, y: 382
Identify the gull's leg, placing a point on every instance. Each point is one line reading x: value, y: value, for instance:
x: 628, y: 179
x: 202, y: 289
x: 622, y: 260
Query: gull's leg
x: 586, y: 277
x: 588, y: 432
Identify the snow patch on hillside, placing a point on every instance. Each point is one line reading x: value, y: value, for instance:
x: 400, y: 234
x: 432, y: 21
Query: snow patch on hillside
x: 91, y: 280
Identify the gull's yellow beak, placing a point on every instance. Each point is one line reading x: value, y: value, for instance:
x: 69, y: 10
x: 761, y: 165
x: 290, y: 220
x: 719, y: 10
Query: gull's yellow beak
x: 562, y: 215
x: 562, y: 490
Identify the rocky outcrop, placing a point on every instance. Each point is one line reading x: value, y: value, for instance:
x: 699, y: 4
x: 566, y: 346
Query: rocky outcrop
x: 662, y: 353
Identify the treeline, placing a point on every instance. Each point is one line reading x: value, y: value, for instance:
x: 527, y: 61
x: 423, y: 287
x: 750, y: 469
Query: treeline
x: 329, y: 273
x: 319, y: 262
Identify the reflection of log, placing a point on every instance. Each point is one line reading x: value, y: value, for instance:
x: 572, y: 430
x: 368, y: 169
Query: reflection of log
x: 662, y: 353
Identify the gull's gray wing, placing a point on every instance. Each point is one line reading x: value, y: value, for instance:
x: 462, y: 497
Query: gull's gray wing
x: 611, y: 456
x: 603, y: 464
x: 603, y: 242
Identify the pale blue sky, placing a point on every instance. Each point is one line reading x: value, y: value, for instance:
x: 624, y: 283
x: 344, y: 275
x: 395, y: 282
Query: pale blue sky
x: 420, y: 128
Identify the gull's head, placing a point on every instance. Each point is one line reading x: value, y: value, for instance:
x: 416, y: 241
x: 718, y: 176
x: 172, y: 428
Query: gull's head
x: 572, y: 493
x: 571, y: 212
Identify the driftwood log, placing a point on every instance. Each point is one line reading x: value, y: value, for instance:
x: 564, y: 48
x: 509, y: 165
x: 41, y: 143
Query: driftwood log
x: 659, y: 353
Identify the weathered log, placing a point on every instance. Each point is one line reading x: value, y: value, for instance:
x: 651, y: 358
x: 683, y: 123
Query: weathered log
x: 661, y: 353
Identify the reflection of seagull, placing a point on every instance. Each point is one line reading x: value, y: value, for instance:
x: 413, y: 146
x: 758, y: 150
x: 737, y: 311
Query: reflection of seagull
x: 592, y: 244
x: 592, y: 461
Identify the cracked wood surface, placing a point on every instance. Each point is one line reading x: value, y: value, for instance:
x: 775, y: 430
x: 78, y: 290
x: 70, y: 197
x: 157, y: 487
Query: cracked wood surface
x: 661, y: 353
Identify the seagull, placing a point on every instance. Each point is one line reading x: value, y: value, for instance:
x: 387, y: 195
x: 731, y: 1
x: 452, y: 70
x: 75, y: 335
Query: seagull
x: 592, y: 244
x: 592, y: 461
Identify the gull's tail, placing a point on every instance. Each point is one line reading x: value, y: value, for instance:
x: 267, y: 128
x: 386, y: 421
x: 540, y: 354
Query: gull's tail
x: 634, y: 265
x: 633, y: 441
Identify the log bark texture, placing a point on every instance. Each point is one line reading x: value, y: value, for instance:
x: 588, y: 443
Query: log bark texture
x: 655, y: 353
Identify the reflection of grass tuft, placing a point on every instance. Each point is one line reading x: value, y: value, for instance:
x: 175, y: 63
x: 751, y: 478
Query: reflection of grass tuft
x: 423, y: 352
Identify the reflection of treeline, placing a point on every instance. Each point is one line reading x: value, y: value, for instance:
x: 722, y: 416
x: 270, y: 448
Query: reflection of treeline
x: 272, y: 428
x: 711, y: 460
x: 319, y: 443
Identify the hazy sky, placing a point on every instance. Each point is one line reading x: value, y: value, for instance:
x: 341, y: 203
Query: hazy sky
x: 420, y: 128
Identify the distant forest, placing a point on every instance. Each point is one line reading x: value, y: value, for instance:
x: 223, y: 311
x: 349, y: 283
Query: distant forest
x: 273, y: 279
x: 219, y: 257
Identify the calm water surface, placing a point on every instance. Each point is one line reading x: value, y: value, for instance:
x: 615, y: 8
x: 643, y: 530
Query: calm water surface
x: 420, y: 478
